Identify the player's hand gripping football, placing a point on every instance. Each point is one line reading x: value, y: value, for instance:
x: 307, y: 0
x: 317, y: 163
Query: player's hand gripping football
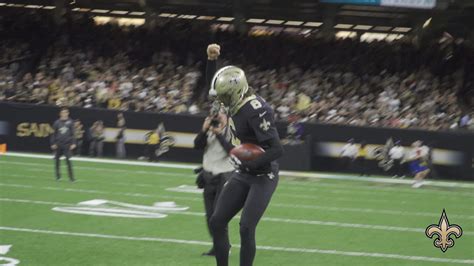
x: 238, y: 165
x: 213, y: 51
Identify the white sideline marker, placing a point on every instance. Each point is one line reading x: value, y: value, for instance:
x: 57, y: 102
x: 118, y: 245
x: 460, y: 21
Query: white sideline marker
x: 269, y: 248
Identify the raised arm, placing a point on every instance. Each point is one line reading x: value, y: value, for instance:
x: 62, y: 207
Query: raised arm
x: 213, y: 52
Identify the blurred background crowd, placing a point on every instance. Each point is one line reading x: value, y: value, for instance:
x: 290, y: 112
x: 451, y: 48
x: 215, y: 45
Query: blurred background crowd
x: 160, y: 69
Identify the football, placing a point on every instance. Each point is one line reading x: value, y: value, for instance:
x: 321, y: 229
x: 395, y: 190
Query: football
x: 247, y: 151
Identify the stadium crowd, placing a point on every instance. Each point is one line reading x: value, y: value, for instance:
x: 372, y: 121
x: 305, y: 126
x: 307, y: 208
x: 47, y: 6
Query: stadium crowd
x: 160, y: 70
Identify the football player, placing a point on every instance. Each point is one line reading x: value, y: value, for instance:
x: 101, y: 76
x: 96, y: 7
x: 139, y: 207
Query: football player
x: 251, y: 186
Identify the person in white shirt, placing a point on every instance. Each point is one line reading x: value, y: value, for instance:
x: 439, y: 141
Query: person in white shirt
x: 397, y: 153
x: 418, y: 161
x: 348, y: 154
x: 214, y: 139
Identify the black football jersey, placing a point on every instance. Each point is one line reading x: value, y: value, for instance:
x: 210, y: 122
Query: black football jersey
x: 254, y: 123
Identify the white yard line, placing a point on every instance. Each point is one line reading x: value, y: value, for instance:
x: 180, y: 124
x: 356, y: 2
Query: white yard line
x: 98, y: 169
x: 333, y: 188
x: 139, y: 195
x: 367, y: 210
x: 283, y: 173
x: 271, y: 219
x: 268, y: 248
x: 283, y: 205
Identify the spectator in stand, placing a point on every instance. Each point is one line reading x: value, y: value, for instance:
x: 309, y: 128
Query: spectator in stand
x: 79, y: 135
x: 100, y: 135
x: 120, y: 138
x: 133, y: 69
x: 96, y: 138
x: 93, y: 139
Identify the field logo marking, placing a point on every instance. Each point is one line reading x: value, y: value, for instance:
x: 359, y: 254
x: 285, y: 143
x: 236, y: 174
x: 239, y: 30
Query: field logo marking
x: 4, y: 261
x: 102, y: 207
x: 443, y: 232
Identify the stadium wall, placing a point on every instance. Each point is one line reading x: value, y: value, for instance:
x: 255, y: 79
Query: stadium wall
x: 26, y: 127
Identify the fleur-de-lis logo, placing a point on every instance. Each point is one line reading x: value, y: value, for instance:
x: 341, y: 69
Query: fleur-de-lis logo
x: 443, y: 232
x: 234, y: 80
x: 265, y: 125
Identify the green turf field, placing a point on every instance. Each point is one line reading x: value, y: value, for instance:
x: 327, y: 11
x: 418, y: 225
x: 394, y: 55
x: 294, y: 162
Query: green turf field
x: 309, y: 222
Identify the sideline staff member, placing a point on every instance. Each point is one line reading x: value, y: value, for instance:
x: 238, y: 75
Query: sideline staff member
x: 63, y: 142
x: 214, y: 138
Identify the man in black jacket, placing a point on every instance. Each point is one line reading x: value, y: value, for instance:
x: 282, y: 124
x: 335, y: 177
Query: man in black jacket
x: 63, y: 142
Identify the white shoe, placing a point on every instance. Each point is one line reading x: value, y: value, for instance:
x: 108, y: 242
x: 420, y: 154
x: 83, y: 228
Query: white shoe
x: 417, y: 184
x: 395, y: 176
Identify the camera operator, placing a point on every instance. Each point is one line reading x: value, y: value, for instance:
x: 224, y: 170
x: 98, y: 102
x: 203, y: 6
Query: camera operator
x: 214, y: 139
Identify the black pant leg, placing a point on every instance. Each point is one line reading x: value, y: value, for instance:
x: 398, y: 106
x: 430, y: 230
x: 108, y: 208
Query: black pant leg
x: 67, y: 153
x: 210, y: 196
x: 229, y: 203
x: 259, y: 197
x: 57, y: 156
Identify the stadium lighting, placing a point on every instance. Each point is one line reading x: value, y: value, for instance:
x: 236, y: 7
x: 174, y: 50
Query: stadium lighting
x: 187, y: 16
x: 343, y: 26
x: 225, y: 19
x: 362, y: 27
x: 427, y: 23
x: 49, y: 7
x: 313, y: 24
x: 382, y: 28
x: 119, y: 12
x: 137, y: 13
x: 401, y: 29
x: 255, y: 20
x: 274, y: 21
x: 293, y: 23
x: 168, y: 15
x: 33, y: 6
x: 101, y: 11
x: 206, y: 17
